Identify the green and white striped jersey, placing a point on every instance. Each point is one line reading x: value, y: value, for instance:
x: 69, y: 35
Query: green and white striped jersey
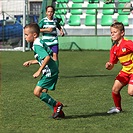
x: 50, y: 38
x: 41, y: 50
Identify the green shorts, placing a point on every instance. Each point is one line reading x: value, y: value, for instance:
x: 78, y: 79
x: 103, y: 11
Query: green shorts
x: 48, y: 82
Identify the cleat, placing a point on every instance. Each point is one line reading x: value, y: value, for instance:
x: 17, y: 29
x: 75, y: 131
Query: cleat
x: 61, y: 115
x: 57, y: 110
x: 114, y: 110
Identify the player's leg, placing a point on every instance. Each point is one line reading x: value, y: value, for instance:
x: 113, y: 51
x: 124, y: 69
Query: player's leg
x: 55, y: 57
x: 116, y: 97
x: 49, y: 83
x: 44, y: 96
x: 47, y: 99
x: 53, y: 104
x: 116, y: 94
x: 37, y: 91
x: 51, y: 107
x: 130, y: 89
x: 121, y: 80
x: 130, y: 86
x: 55, y: 50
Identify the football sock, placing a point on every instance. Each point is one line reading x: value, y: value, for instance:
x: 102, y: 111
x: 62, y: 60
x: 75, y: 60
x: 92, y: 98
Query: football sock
x: 117, y: 100
x: 48, y: 100
x: 51, y: 107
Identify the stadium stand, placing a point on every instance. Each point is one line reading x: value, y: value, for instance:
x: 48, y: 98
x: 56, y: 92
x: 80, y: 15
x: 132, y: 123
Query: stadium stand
x: 62, y: 1
x: 90, y: 10
x: 108, y: 11
x: 78, y: 1
x: 77, y: 11
x: 90, y: 20
x: 123, y: 1
x: 93, y: 1
x: 61, y: 11
x: 61, y: 19
x: 123, y: 19
x: 74, y: 20
x: 108, y: 1
x: 106, y: 20
x: 82, y: 18
x: 120, y: 11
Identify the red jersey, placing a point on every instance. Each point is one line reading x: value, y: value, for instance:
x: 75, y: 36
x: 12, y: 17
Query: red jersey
x: 124, y: 54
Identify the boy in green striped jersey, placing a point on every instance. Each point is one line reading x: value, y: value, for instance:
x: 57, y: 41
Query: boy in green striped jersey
x: 48, y: 27
x: 48, y: 68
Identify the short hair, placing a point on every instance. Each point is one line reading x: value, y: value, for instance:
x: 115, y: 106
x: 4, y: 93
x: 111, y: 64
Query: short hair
x: 118, y: 25
x: 51, y: 7
x: 34, y: 28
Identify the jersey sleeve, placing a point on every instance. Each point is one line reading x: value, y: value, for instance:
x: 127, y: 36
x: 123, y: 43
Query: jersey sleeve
x: 42, y: 53
x: 129, y: 45
x: 113, y: 57
x: 41, y: 24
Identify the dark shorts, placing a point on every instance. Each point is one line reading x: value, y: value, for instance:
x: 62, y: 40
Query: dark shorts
x: 54, y: 48
x: 48, y: 83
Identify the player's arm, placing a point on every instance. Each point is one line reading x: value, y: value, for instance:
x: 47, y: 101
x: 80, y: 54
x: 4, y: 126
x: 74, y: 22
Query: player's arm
x: 61, y: 32
x: 113, y: 59
x: 41, y: 24
x: 60, y: 29
x: 49, y: 29
x: 45, y: 62
x: 30, y: 62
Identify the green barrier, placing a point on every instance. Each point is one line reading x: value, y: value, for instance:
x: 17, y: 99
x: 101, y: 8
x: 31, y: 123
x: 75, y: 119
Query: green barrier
x: 86, y: 42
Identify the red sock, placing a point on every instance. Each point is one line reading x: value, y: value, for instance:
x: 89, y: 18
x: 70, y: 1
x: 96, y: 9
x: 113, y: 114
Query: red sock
x: 117, y: 100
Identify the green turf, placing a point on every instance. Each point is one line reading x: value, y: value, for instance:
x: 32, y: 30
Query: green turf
x: 84, y: 87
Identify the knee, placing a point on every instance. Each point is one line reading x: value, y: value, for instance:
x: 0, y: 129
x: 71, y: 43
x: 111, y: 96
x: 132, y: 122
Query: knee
x: 116, y: 91
x: 36, y: 93
x: 55, y: 56
x: 130, y: 93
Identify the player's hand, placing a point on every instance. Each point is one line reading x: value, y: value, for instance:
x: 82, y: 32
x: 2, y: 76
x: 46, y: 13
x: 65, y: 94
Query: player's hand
x: 109, y: 65
x: 49, y: 29
x: 36, y: 74
x: 27, y: 63
x: 61, y: 33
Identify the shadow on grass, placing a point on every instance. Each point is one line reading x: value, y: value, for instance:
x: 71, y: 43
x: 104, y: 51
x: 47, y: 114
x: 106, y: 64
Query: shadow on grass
x: 84, y: 76
x: 88, y: 115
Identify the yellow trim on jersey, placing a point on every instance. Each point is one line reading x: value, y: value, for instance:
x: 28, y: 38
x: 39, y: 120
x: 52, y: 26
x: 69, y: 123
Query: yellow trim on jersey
x: 126, y: 58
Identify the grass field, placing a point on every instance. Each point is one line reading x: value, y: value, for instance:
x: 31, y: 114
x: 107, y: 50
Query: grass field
x: 84, y: 87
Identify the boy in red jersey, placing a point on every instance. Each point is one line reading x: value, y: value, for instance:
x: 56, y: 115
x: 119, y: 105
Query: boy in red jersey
x: 122, y: 51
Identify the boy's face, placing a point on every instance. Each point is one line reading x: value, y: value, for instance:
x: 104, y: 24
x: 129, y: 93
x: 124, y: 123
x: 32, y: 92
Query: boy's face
x: 29, y: 36
x: 116, y: 34
x: 50, y: 13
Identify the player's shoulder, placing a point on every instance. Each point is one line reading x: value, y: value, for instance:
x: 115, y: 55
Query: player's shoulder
x: 127, y: 40
x: 38, y: 42
x: 44, y: 19
x: 55, y: 18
